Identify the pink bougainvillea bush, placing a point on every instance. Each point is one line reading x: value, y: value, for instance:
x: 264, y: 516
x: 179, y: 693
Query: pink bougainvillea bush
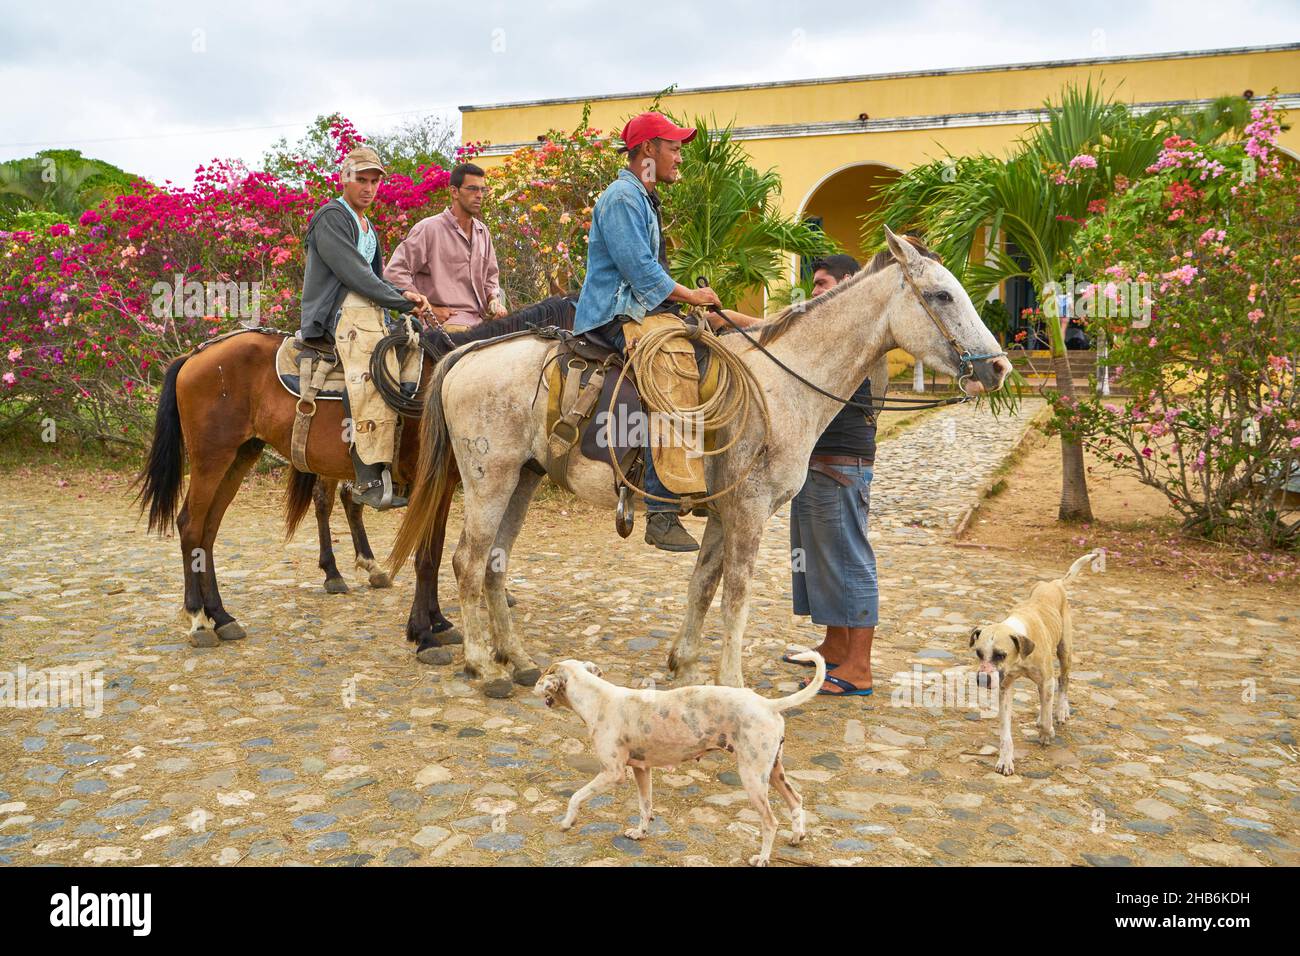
x: 92, y: 311
x: 1213, y: 418
x: 540, y: 211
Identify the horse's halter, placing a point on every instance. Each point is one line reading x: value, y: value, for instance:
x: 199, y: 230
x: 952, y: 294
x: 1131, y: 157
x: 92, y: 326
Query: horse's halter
x: 965, y: 360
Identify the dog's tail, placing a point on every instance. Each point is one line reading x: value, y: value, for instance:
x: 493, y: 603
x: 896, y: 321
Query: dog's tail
x: 807, y: 693
x: 1089, y: 558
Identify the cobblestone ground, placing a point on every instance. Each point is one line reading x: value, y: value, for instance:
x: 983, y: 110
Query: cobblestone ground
x: 319, y: 739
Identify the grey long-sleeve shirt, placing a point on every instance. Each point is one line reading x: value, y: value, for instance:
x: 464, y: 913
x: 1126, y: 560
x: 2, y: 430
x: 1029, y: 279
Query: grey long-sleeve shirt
x: 335, y: 268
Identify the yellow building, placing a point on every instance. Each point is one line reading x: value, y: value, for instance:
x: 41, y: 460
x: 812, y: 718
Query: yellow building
x: 836, y: 141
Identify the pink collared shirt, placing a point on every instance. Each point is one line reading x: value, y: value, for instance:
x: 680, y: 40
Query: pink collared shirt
x: 451, y: 269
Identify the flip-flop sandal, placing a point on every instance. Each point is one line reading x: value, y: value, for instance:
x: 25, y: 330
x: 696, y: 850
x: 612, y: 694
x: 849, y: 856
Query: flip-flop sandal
x: 847, y: 689
x: 790, y: 660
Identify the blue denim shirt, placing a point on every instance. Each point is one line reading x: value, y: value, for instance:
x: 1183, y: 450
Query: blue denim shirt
x: 624, y: 276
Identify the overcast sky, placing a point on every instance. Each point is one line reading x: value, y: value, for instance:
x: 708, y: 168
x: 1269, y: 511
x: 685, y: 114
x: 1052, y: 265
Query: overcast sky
x: 160, y: 87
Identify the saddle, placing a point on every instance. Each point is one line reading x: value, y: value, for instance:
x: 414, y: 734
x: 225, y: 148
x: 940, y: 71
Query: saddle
x: 583, y: 411
x: 323, y: 373
x: 311, y: 375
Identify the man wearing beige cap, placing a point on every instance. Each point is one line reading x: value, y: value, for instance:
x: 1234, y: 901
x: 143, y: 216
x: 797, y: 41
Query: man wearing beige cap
x: 449, y: 257
x: 344, y: 297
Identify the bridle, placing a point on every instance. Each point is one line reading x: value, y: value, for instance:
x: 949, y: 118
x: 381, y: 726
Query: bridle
x: 965, y: 360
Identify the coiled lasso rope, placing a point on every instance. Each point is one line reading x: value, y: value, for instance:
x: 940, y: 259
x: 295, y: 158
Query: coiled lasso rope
x: 736, y: 395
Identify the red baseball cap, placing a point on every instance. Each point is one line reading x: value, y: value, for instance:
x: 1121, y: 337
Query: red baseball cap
x: 653, y: 126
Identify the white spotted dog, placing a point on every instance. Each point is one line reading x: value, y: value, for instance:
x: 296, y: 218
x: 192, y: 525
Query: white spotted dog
x: 1023, y: 645
x: 643, y: 729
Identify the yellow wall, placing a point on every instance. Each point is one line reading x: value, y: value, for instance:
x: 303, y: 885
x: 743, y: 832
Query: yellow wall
x: 804, y: 160
x: 834, y: 174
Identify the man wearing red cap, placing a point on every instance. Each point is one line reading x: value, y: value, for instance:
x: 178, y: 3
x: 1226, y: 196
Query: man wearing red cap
x: 627, y: 274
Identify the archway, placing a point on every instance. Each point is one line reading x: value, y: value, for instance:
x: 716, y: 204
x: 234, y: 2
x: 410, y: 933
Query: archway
x: 843, y: 197
x: 839, y: 201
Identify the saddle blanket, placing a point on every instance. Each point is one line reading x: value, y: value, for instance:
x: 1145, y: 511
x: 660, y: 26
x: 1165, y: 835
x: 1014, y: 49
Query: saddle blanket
x: 286, y: 367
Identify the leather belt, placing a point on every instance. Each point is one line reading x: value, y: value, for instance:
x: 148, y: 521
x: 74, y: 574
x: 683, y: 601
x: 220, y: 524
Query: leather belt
x: 851, y: 461
x: 822, y: 465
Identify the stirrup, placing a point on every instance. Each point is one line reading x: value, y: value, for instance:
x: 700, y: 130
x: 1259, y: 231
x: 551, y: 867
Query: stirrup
x: 386, y: 498
x: 625, y: 514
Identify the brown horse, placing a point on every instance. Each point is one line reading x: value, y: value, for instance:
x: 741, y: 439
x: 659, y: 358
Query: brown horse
x: 220, y: 406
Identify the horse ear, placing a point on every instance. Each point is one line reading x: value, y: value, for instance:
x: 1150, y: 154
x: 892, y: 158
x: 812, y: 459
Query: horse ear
x: 904, y: 252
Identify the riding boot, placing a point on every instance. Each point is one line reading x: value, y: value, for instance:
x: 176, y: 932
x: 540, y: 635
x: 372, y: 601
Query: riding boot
x: 374, y: 485
x: 665, y: 532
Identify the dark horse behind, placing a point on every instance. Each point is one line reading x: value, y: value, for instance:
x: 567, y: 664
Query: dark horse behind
x: 221, y: 405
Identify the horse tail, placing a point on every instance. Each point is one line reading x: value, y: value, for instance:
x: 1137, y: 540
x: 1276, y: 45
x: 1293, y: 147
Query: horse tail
x: 160, y: 479
x: 297, y: 499
x: 434, y: 473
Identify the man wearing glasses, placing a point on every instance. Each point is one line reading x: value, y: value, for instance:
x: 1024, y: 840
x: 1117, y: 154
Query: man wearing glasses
x: 449, y: 258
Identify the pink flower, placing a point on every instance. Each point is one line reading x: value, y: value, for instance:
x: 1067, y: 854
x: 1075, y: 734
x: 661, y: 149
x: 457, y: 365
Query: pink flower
x: 1083, y: 161
x: 9, y: 379
x: 1184, y: 274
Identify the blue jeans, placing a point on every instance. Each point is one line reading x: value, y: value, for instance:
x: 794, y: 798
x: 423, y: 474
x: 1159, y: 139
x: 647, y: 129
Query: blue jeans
x: 833, y: 566
x: 613, y: 333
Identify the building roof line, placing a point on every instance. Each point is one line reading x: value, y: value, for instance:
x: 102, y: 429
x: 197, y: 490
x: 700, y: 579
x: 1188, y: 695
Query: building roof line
x: 951, y: 71
x: 1023, y: 117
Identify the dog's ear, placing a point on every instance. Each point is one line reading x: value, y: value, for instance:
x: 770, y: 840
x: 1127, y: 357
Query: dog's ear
x: 974, y: 635
x: 550, y: 687
x: 1024, y: 646
x: 550, y: 684
x: 593, y: 669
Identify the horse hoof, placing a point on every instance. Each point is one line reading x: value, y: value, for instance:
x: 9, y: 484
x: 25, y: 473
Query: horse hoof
x: 510, y: 600
x: 380, y: 580
x: 433, y: 654
x: 231, y: 631
x: 204, y: 637
x: 528, y: 677
x: 451, y: 635
x: 336, y: 586
x: 498, y: 689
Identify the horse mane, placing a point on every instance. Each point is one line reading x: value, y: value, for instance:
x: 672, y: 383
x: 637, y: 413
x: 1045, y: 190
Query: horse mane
x: 882, y: 260
x: 556, y: 311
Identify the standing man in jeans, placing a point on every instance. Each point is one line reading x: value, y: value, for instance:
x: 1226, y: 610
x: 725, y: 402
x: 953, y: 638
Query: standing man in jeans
x: 834, y: 568
x: 627, y: 275
x: 449, y: 258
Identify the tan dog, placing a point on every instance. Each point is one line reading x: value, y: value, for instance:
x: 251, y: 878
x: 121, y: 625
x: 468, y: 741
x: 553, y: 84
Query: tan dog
x: 642, y: 729
x: 1023, y: 645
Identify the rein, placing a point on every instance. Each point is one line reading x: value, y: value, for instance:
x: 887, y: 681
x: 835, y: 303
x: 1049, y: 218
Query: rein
x: 898, y: 404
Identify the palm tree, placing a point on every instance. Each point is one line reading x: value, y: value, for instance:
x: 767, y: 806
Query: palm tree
x: 724, y: 220
x: 1018, y: 201
x: 1224, y: 117
x: 59, y: 181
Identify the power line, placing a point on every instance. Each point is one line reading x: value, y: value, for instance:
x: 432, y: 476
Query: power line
x: 210, y: 132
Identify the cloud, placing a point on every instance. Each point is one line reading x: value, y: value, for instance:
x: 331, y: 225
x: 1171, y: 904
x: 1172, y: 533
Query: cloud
x: 171, y: 85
